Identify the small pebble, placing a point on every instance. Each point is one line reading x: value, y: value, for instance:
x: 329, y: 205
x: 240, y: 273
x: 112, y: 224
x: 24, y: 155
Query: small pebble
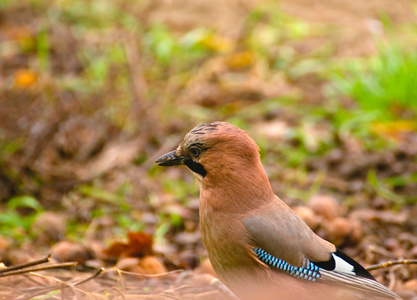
x: 49, y: 228
x: 341, y: 230
x: 325, y: 206
x: 128, y: 264
x: 151, y: 265
x: 66, y: 251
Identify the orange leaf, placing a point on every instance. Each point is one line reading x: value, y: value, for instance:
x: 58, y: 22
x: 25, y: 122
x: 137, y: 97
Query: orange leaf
x: 25, y: 78
x: 139, y: 245
x: 116, y: 249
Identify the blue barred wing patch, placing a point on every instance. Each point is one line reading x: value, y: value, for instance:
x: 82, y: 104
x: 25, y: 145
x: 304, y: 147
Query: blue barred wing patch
x: 309, y: 272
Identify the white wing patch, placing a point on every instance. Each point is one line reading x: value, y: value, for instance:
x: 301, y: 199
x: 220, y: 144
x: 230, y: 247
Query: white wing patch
x: 343, y: 266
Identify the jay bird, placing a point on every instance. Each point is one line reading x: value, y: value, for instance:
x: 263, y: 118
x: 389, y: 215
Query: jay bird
x: 258, y: 246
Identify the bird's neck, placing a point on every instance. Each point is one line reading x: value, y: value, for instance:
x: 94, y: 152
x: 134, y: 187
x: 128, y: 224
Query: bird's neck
x: 236, y: 190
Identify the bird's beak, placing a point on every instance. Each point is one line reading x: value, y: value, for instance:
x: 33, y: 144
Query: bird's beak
x: 170, y: 159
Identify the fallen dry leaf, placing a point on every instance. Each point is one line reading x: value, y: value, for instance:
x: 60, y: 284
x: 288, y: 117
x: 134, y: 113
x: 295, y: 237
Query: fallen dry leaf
x: 139, y: 245
x: 25, y: 78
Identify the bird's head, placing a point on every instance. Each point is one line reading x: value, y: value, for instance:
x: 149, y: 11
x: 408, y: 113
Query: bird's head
x: 214, y: 150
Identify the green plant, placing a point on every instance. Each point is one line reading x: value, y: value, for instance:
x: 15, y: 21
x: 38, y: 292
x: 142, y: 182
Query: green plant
x: 15, y: 224
x: 384, y: 86
x: 385, y: 188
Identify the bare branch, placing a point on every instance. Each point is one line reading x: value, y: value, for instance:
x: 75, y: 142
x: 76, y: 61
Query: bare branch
x: 392, y: 263
x: 89, y: 278
x: 25, y: 265
x: 47, y: 267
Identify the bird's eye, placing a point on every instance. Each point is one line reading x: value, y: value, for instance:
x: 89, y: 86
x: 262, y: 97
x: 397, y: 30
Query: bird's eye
x: 195, y: 151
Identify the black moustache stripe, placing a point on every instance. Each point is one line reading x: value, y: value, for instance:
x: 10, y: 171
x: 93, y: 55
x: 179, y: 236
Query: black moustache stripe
x: 195, y: 167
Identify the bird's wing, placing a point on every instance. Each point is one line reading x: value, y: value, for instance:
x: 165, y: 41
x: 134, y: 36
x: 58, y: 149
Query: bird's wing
x: 283, y: 241
x: 279, y: 231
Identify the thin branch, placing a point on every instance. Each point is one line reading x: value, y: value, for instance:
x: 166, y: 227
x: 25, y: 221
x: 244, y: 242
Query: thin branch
x: 392, y: 263
x: 25, y: 265
x: 28, y: 270
x: 89, y: 278
x: 45, y: 290
x: 119, y: 292
x: 64, y: 285
x: 121, y: 280
x: 145, y: 275
x: 391, y: 276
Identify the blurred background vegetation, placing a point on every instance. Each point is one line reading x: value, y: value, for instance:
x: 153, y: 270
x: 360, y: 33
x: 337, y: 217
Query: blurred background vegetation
x: 93, y: 91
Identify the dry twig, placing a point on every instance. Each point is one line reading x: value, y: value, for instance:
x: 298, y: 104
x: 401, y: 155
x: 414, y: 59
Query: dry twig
x: 392, y: 263
x: 25, y: 265
x: 89, y: 278
x: 29, y: 270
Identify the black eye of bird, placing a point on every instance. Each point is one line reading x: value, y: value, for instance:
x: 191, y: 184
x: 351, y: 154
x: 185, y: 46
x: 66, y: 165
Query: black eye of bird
x: 195, y: 151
